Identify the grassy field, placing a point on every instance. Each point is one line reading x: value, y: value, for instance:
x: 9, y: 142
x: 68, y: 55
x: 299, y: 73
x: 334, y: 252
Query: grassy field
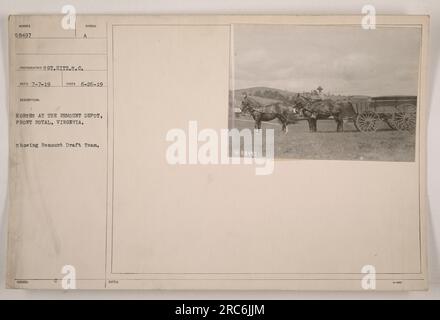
x: 383, y: 145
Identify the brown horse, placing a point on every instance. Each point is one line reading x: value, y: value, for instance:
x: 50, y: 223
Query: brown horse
x: 285, y: 114
x: 314, y: 110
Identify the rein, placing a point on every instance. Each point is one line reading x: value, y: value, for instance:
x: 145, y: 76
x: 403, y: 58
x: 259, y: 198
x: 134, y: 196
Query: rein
x: 255, y: 109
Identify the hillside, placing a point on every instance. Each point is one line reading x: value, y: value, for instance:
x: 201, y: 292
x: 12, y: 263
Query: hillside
x: 285, y: 96
x: 266, y: 92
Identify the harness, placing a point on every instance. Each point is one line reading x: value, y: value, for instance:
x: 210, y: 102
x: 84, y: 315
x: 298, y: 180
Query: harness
x: 314, y: 114
x: 257, y: 109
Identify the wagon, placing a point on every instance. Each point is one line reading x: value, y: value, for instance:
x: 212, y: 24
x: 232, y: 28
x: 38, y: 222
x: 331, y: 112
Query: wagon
x: 398, y: 112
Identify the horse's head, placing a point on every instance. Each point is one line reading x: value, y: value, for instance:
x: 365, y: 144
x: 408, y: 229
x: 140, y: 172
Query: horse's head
x: 245, y: 104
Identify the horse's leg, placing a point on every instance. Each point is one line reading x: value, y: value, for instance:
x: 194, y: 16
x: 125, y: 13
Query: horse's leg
x: 315, y: 121
x: 257, y: 123
x: 285, y: 129
x: 339, y: 123
x: 284, y: 122
x: 314, y: 125
x: 310, y: 121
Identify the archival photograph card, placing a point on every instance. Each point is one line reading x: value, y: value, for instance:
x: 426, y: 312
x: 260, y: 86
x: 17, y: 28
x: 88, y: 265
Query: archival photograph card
x: 217, y: 152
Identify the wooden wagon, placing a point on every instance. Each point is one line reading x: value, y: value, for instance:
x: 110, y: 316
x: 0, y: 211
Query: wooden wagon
x: 398, y: 112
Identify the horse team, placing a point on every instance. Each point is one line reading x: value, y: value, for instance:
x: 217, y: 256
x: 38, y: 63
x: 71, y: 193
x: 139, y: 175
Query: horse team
x: 306, y: 108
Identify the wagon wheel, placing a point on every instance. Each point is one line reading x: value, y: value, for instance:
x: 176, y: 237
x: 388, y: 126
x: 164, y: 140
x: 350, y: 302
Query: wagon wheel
x: 406, y: 117
x: 366, y: 121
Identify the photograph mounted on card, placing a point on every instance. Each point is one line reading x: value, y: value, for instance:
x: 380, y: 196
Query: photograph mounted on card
x: 245, y: 152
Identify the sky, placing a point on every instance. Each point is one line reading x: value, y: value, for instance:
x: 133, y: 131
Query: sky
x: 344, y: 60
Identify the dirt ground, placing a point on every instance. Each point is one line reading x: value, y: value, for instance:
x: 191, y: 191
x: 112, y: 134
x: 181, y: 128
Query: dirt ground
x: 327, y: 144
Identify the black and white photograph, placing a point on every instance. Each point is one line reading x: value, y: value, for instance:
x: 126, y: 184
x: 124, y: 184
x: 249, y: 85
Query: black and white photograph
x: 328, y: 92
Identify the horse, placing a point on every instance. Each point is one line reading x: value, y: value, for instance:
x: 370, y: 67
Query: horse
x: 314, y: 110
x: 268, y: 112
